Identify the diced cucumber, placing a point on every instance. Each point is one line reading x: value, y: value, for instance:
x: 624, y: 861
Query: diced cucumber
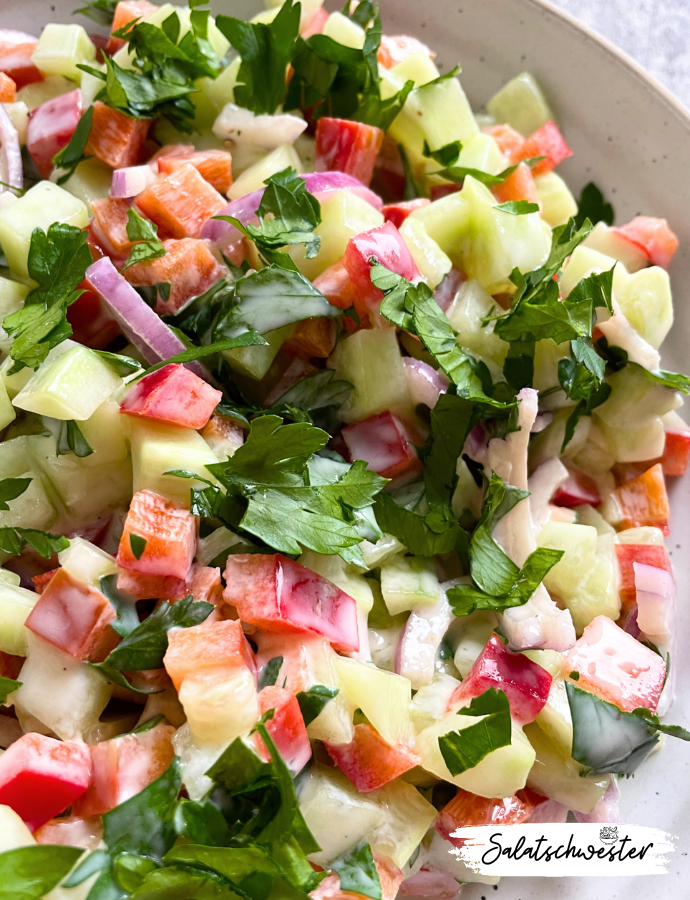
x: 15, y: 605
x: 13, y: 832
x: 7, y: 413
x: 383, y: 697
x: 104, y: 432
x: 579, y: 543
x: 66, y: 695
x: 19, y: 114
x: 255, y: 361
x: 643, y: 535
x: 471, y: 305
x: 72, y: 386
x: 557, y: 203
x: 346, y: 577
x: 548, y: 442
x: 219, y: 541
x: 477, y: 628
x: 645, y: 300
x: 417, y: 67
x: 196, y: 760
x: 551, y: 660
x: 547, y: 354
x: 588, y: 515
x: 14, y: 383
x: 91, y: 85
x: 634, y: 399
x: 219, y: 710
x: 39, y: 207
x: 521, y: 104
x: 61, y: 48
x: 334, y: 722
x: 483, y: 153
x: 634, y: 444
x: 555, y: 719
x: 12, y: 296
x: 325, y: 791
x: 32, y: 509
x: 407, y: 818
x: 499, y: 774
x: 595, y: 455
x: 7, y: 577
x: 431, y: 261
x: 409, y: 582
x: 33, y: 95
x: 344, y: 31
x: 555, y: 774
x: 158, y: 448
x: 253, y: 178
x: 581, y: 263
x: 606, y: 240
x: 221, y: 90
x: 383, y: 549
x: 371, y: 360
x: 343, y: 215
x: 445, y: 221
x: 91, y: 180
x: 85, y: 561
x: 430, y: 703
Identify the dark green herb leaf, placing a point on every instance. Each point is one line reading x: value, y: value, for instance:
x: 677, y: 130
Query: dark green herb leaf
x: 7, y: 685
x: 671, y: 380
x: 358, y: 874
x: 145, y: 233
x: 464, y: 749
x: 518, y: 207
x: 270, y: 671
x: 45, y: 544
x: 382, y: 113
x: 445, y: 156
x: 70, y: 156
x: 100, y: 11
x: 361, y: 14
x: 319, y: 391
x: 137, y: 544
x: 69, y: 439
x: 312, y: 702
x: 11, y: 488
x: 29, y: 873
x: 592, y: 206
x: 123, y: 365
x: 246, y: 339
x: 127, y: 619
x: 202, y: 823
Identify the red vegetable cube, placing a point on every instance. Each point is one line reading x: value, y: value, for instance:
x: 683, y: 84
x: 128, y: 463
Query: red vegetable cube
x: 15, y: 57
x: 277, y: 594
x: 91, y: 324
x: 42, y: 581
x: 116, y: 139
x: 209, y: 648
x: 8, y: 89
x: 648, y: 555
x: 169, y: 533
x: 443, y: 190
x: 382, y: 441
x: 180, y: 203
x: 51, y: 126
x: 509, y: 141
x: 548, y: 142
x: 393, y: 49
x: 676, y: 453
x: 616, y: 667
x: 203, y: 583
x: 579, y: 489
x: 467, y: 810
x: 40, y: 777
x: 336, y: 286
x: 214, y: 166
x: 345, y: 146
x: 152, y: 587
x: 312, y: 338
x: 172, y: 394
x: 124, y: 766
x: 369, y: 761
x: 398, y: 212
x: 525, y: 683
x: 386, y: 246
x: 644, y: 501
x: 188, y: 267
x: 299, y: 653
x: 653, y: 237
x: 519, y: 185
x: 75, y: 617
x: 315, y: 25
x: 127, y: 11
x: 109, y: 227
x: 287, y: 727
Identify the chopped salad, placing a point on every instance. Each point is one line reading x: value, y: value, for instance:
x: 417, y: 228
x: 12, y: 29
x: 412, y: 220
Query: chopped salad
x: 333, y: 466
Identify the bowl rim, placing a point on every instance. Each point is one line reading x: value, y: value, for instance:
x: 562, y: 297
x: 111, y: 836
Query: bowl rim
x: 618, y: 56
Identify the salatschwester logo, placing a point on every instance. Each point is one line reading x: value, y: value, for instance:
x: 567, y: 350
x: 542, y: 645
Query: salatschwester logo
x: 563, y: 849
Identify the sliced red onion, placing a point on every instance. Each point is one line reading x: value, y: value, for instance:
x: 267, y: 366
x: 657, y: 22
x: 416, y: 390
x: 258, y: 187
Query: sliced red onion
x: 244, y: 127
x: 146, y: 330
x: 244, y: 209
x: 547, y: 813
x: 475, y: 445
x: 11, y: 169
x: 606, y: 810
x: 420, y: 640
x: 131, y: 181
x: 426, y: 384
x: 655, y: 592
x: 629, y: 622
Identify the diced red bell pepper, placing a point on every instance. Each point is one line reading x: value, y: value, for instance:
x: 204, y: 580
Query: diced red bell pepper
x: 398, y: 212
x: 75, y: 617
x: 443, y: 190
x: 386, y: 246
x: 548, y: 142
x: 644, y: 501
x: 467, y: 810
x: 40, y: 777
x: 287, y: 728
x: 206, y: 649
x: 369, y: 761
x: 653, y: 237
x: 91, y: 324
x: 16, y: 48
x: 647, y: 554
x: 51, y: 126
x: 298, y: 653
x: 579, y: 489
x: 214, y: 166
x: 336, y: 286
x: 42, y: 581
x: 180, y: 203
x: 172, y: 394
x: 169, y: 532
x: 525, y: 683
x: 616, y: 667
x: 277, y: 594
x: 152, y: 587
x: 116, y: 139
x: 8, y: 89
x: 127, y: 11
x: 203, y: 583
x: 10, y: 665
x: 383, y: 442
x: 676, y: 453
x: 430, y: 881
x: 188, y: 267
x: 316, y: 24
x: 124, y: 766
x: 345, y: 146
x: 312, y: 338
x: 509, y: 140
x: 109, y: 227
x: 519, y: 185
x: 393, y: 49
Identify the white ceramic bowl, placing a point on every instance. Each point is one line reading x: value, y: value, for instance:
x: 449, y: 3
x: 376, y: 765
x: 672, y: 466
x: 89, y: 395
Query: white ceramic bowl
x: 632, y: 137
